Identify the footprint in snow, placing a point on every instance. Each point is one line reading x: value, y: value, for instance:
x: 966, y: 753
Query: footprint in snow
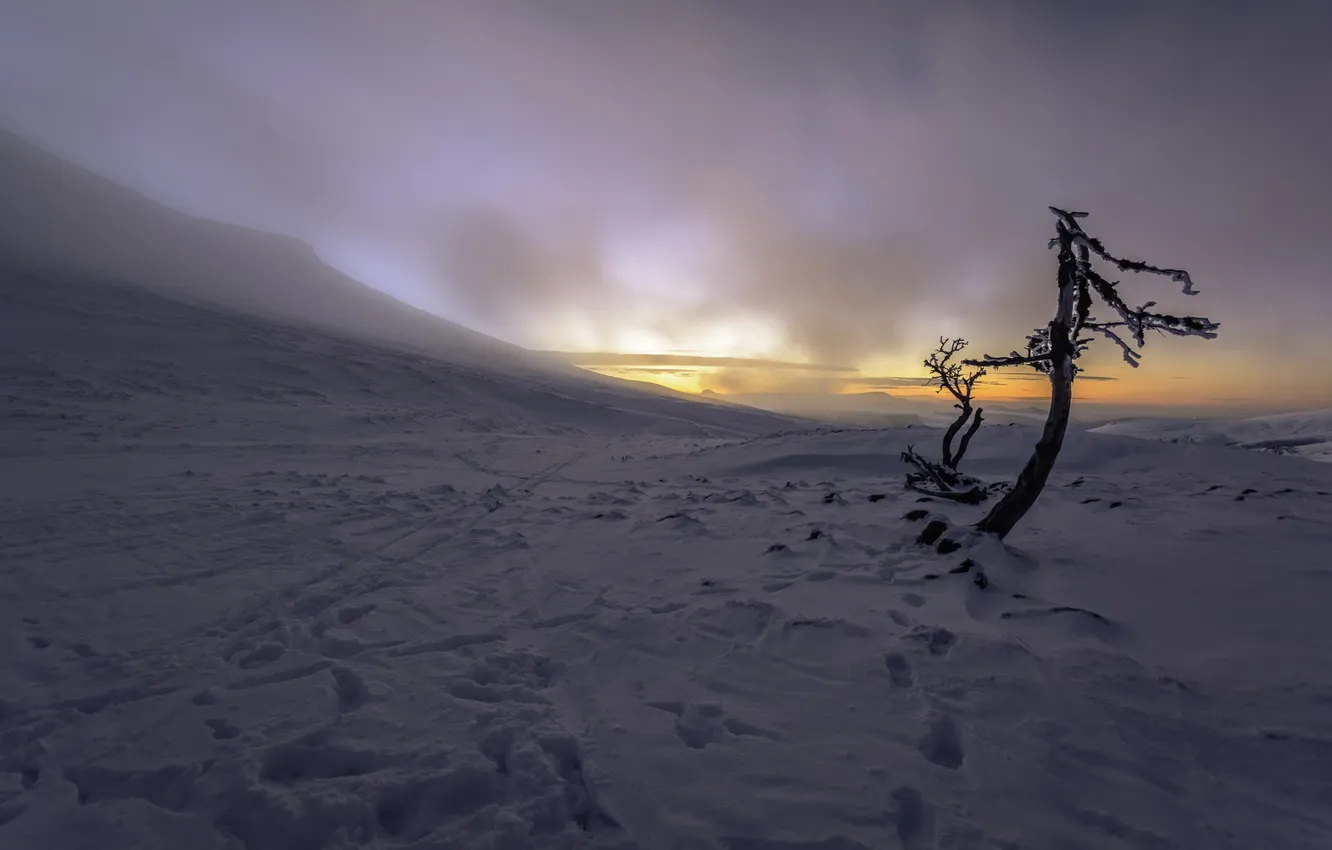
x: 740, y: 620
x: 222, y: 730
x: 1067, y: 620
x: 704, y: 723
x: 912, y: 817
x: 899, y: 669
x: 938, y: 640
x: 349, y: 688
x: 515, y: 676
x: 314, y: 756
x: 264, y: 654
x: 942, y: 744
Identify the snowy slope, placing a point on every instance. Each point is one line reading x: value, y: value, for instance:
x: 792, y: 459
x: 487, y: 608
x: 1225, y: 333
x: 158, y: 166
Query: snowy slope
x: 57, y: 217
x: 77, y: 250
x: 265, y: 588
x: 879, y: 409
x: 1306, y: 433
x: 166, y: 372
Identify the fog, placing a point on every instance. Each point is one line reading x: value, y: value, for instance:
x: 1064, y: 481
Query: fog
x: 836, y: 183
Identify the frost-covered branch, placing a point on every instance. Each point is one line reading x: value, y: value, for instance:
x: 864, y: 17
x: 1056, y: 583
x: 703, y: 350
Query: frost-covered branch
x: 1054, y: 349
x: 1141, y: 320
x: 1014, y: 359
x: 939, y: 481
x: 947, y: 375
x: 1131, y: 356
x: 1095, y: 246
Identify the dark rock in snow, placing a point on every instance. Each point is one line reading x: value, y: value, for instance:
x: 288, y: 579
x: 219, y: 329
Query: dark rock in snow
x: 932, y: 532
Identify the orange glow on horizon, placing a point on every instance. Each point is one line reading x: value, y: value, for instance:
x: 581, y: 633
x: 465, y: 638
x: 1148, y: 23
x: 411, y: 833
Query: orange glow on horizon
x: 1211, y: 386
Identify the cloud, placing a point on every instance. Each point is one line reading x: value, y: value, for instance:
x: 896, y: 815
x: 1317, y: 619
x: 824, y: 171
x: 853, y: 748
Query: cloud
x: 884, y: 382
x: 621, y: 360
x: 1026, y: 375
x: 758, y: 178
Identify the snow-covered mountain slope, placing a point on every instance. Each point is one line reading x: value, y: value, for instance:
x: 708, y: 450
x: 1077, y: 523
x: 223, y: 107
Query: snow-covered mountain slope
x: 140, y: 369
x: 257, y: 595
x: 1306, y: 433
x: 57, y: 217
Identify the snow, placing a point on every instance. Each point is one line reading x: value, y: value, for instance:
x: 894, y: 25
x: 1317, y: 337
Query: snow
x: 1305, y: 433
x: 268, y: 587
x: 327, y: 572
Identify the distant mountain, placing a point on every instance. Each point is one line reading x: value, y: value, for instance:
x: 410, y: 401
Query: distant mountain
x: 880, y: 409
x: 1306, y: 433
x: 56, y: 216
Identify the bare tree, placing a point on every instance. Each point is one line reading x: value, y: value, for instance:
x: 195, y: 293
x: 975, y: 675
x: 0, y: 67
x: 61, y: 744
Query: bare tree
x: 1053, y: 349
x: 942, y: 479
x: 948, y: 375
x: 935, y: 479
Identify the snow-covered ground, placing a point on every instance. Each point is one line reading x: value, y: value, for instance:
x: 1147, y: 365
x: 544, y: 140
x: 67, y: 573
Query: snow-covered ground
x: 352, y: 576
x: 273, y: 589
x: 1306, y: 433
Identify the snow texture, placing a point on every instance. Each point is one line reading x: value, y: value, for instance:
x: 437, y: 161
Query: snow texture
x: 348, y: 576
x: 1306, y: 434
x: 265, y: 587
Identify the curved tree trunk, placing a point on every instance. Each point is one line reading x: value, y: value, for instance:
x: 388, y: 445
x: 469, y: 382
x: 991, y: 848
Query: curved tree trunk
x: 949, y: 460
x: 1005, y: 515
x: 966, y: 438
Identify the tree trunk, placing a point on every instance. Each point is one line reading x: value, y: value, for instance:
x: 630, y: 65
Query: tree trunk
x: 1012, y: 507
x: 948, y: 459
x: 966, y: 438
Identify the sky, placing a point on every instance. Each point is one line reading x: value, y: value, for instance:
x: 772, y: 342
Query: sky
x: 742, y: 196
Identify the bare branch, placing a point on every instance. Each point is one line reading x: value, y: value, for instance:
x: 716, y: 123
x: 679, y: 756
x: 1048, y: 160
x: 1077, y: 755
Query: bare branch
x: 1069, y: 220
x: 941, y: 482
x: 1141, y: 320
x: 1014, y: 359
x: 1179, y: 325
x: 947, y: 375
x: 1131, y: 356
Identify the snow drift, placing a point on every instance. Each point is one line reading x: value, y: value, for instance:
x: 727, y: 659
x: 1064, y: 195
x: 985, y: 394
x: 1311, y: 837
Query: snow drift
x: 1307, y: 434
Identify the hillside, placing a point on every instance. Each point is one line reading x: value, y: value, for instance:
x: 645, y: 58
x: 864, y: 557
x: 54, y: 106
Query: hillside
x: 81, y: 260
x: 1307, y: 434
x: 143, y: 370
